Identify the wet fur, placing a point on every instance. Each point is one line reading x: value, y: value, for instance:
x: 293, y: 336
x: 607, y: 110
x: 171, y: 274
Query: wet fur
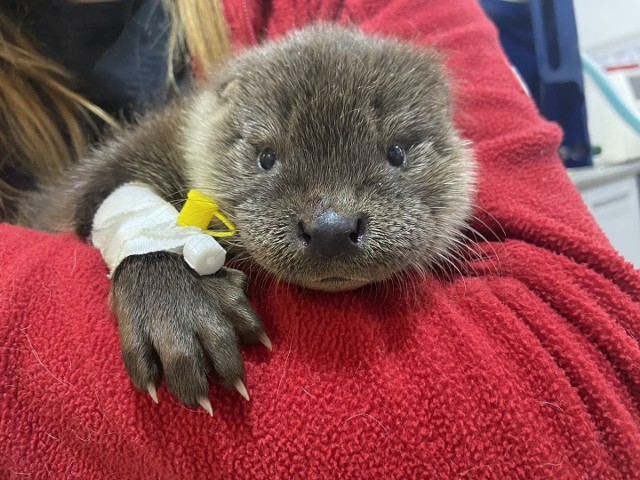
x: 329, y: 101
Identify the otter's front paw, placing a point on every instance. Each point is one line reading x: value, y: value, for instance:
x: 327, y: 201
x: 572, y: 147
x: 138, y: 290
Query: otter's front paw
x: 183, y: 326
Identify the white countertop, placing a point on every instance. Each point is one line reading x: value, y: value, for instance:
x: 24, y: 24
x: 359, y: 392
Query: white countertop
x: 586, y: 177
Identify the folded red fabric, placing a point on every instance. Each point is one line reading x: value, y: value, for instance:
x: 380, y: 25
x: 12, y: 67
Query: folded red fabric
x: 525, y: 366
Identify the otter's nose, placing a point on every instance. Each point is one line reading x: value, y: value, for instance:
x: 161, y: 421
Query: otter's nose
x: 331, y: 234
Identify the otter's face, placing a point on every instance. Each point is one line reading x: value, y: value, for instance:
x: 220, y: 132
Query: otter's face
x: 335, y: 155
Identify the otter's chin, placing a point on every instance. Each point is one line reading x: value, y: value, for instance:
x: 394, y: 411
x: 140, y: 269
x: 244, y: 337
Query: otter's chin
x: 332, y: 284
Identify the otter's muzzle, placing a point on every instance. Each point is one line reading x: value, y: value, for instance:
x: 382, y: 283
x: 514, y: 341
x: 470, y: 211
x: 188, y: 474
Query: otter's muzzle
x: 330, y: 234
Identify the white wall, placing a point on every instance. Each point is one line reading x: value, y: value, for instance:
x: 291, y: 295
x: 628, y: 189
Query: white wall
x: 603, y: 21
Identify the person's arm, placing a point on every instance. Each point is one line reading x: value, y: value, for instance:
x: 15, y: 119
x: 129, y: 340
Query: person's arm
x: 524, y: 191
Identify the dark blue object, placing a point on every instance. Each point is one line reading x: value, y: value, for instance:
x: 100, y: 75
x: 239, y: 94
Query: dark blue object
x: 541, y: 41
x: 116, y: 51
x: 132, y: 72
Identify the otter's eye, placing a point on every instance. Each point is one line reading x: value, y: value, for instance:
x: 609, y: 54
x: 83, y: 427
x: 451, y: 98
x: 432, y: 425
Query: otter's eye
x: 395, y: 155
x: 267, y: 158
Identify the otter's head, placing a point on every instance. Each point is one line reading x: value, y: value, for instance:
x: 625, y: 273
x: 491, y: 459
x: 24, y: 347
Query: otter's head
x: 335, y: 155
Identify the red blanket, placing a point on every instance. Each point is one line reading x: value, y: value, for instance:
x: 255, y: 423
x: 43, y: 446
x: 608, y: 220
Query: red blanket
x: 526, y: 366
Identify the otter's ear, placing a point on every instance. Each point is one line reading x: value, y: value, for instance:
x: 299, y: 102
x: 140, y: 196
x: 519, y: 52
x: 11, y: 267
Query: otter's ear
x: 226, y: 87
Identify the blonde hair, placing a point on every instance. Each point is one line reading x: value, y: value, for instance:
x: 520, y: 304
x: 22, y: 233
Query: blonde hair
x: 199, y: 28
x: 42, y: 121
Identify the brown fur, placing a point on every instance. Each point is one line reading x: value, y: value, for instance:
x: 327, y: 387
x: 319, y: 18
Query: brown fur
x: 329, y: 101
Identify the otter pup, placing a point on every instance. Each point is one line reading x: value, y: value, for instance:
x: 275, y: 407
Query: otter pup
x: 335, y: 155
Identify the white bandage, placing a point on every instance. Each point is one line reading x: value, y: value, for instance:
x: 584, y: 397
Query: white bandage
x: 134, y: 220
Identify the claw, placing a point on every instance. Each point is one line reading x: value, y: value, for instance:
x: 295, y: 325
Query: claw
x: 264, y: 340
x: 153, y: 393
x: 242, y: 390
x: 206, y: 404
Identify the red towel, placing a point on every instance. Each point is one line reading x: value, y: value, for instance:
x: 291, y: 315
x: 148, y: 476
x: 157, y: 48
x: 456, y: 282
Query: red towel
x: 528, y: 366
